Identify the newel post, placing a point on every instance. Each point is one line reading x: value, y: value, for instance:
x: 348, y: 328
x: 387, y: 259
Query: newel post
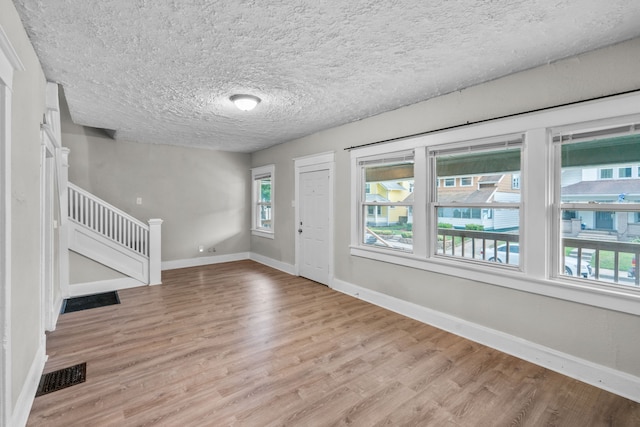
x: 155, y: 251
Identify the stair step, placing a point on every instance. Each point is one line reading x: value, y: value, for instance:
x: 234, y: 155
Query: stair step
x: 598, y: 235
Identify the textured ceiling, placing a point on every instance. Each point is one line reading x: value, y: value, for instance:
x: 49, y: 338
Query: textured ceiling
x: 161, y: 71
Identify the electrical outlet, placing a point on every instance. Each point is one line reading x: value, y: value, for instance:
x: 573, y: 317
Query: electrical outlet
x: 200, y: 248
x: 211, y: 249
x: 138, y: 200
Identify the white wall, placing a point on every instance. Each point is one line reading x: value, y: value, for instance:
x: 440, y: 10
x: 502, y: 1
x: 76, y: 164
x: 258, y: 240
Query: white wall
x: 598, y: 335
x: 28, y: 107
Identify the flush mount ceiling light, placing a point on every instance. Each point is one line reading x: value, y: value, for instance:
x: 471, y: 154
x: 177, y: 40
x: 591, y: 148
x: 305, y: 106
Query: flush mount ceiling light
x: 245, y: 102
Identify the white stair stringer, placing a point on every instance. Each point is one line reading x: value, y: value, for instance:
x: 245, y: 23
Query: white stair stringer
x: 114, y: 238
x: 97, y: 247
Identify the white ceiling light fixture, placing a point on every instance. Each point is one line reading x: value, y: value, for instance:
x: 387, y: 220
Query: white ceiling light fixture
x: 245, y: 102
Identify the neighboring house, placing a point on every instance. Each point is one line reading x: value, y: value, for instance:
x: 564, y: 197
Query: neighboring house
x: 387, y: 192
x: 610, y: 184
x: 479, y: 189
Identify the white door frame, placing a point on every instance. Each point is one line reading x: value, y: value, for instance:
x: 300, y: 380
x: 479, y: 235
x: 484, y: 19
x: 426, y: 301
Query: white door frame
x: 9, y: 62
x: 53, y: 184
x: 316, y: 162
x: 47, y: 176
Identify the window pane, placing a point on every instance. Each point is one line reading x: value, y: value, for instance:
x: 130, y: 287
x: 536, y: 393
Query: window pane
x: 495, y: 184
x: 265, y: 189
x: 466, y: 181
x: 593, y: 180
x: 485, y: 233
x: 606, y: 173
x: 605, y: 242
x: 264, y: 216
x: 461, y: 233
x: 603, y: 255
x: 378, y: 232
x: 624, y: 172
x: 387, y: 225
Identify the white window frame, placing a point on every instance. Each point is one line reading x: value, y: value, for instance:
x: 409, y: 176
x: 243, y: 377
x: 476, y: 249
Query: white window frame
x: 515, y: 181
x: 538, y: 217
x: 618, y: 126
x: 489, y: 144
x: 256, y: 175
x: 364, y: 206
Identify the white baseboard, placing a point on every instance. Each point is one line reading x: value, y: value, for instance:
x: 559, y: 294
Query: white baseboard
x: 194, y: 262
x: 606, y: 378
x: 217, y: 259
x: 270, y: 262
x: 90, y: 288
x: 23, y: 406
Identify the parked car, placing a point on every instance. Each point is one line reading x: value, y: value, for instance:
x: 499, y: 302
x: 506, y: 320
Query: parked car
x: 370, y: 239
x: 632, y: 269
x: 570, y: 263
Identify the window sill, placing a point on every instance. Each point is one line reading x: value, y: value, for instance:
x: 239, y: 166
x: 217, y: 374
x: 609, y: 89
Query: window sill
x: 262, y: 233
x: 611, y: 297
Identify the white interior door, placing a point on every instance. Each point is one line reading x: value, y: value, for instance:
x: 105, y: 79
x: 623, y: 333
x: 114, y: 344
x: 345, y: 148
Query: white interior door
x: 313, y: 226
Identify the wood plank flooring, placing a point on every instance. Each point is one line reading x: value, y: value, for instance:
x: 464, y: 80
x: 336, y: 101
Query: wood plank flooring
x: 245, y: 345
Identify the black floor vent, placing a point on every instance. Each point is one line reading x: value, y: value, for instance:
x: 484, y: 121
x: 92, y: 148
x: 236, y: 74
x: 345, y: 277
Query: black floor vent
x: 90, y: 301
x: 63, y: 378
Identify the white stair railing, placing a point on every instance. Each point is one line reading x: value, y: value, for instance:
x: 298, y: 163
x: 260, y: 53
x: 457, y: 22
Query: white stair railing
x: 94, y: 213
x: 117, y: 226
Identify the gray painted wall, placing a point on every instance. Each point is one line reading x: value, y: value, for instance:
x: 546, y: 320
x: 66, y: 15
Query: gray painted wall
x: 201, y: 195
x: 601, y: 336
x: 28, y: 107
x: 85, y: 270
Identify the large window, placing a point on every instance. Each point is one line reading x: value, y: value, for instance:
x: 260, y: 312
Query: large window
x: 554, y: 205
x: 386, y: 204
x: 599, y: 234
x: 262, y: 211
x: 480, y: 223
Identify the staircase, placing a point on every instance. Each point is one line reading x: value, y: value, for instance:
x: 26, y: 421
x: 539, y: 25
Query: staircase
x: 112, y: 237
x: 602, y: 235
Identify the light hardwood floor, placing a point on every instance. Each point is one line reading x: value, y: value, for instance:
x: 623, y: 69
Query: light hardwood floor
x: 243, y: 344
